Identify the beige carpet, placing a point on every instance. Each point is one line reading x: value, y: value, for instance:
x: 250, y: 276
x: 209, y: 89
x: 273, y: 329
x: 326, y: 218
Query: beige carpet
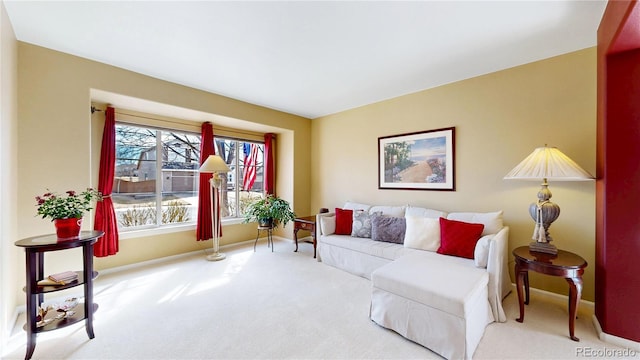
x: 266, y: 305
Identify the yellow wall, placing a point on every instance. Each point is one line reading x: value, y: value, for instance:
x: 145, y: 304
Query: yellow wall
x: 499, y: 119
x: 59, y: 144
x: 9, y: 254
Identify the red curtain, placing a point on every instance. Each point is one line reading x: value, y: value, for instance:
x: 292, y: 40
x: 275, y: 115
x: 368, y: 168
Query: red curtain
x: 269, y: 166
x: 105, y: 214
x: 204, y: 229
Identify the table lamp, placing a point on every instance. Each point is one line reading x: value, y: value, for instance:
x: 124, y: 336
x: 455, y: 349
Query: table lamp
x: 546, y: 163
x: 214, y: 164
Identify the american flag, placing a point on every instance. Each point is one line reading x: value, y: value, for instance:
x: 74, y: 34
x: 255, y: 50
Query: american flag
x: 250, y: 165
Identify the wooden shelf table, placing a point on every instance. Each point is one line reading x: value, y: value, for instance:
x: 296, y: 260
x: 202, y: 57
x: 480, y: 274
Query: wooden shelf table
x: 34, y: 248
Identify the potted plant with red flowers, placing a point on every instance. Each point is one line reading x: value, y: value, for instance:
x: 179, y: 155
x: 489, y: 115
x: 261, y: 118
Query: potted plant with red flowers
x: 66, y: 211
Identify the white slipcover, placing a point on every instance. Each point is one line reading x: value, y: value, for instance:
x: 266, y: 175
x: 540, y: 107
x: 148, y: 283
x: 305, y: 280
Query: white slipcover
x: 441, y: 305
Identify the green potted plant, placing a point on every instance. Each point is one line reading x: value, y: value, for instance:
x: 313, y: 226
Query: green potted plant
x: 269, y: 211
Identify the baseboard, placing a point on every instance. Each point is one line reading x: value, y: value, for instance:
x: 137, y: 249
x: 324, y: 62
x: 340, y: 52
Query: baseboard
x: 588, y: 306
x: 615, y: 340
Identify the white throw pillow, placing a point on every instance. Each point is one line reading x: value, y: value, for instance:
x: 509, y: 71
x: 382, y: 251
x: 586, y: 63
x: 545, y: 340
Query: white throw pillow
x: 424, y: 212
x: 356, y: 206
x: 492, y: 221
x: 422, y: 233
x: 327, y: 225
x: 481, y: 253
x: 393, y: 211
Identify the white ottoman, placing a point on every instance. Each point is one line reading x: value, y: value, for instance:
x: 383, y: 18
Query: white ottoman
x: 439, y: 302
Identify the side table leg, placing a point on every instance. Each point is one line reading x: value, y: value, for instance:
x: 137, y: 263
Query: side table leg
x: 521, y: 275
x: 526, y: 288
x: 32, y: 299
x: 295, y: 238
x: 315, y: 244
x: 87, y: 252
x: 575, y: 292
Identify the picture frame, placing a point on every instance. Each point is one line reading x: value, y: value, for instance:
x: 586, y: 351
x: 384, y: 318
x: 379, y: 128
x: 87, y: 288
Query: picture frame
x: 422, y: 160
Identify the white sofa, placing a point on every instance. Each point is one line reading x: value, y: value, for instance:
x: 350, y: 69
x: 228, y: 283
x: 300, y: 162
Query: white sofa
x: 441, y: 301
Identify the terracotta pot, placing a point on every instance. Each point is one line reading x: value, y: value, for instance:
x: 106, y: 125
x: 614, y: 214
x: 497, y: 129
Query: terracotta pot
x: 67, y: 228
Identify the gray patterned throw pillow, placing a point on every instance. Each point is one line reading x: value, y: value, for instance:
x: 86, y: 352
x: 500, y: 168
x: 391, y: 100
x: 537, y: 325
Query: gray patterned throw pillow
x: 361, y: 226
x: 388, y: 229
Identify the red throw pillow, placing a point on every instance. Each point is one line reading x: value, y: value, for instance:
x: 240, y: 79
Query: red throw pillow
x: 344, y: 219
x: 459, y: 238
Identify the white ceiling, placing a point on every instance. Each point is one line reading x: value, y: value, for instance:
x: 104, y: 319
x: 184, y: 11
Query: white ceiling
x: 305, y: 57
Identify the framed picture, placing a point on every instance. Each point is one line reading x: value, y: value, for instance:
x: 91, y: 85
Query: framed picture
x: 417, y: 161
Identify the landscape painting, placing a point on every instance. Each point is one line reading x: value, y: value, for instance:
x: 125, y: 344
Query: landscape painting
x: 417, y: 161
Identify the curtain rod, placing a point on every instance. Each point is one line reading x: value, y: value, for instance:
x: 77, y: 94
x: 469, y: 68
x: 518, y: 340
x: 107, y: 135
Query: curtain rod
x: 94, y: 109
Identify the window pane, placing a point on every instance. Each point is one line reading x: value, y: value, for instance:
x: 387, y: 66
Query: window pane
x: 250, y: 174
x: 135, y: 190
x: 180, y: 163
x: 226, y: 149
x: 134, y: 185
x: 252, y: 167
x: 240, y: 187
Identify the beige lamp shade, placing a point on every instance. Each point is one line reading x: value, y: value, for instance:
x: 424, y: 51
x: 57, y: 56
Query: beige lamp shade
x: 214, y: 164
x: 548, y: 163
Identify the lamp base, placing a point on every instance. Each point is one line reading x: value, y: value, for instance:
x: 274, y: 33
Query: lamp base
x: 216, y: 256
x: 543, y: 247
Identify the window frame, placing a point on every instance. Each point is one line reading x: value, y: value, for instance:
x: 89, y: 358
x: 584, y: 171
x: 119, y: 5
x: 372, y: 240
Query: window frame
x: 182, y: 127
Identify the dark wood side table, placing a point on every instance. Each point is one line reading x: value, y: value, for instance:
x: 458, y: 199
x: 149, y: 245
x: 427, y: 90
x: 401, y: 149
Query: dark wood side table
x: 565, y: 264
x: 34, y: 248
x: 305, y: 223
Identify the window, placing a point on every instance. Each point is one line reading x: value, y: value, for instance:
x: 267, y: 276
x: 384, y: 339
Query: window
x: 245, y: 180
x: 155, y: 187
x: 151, y: 190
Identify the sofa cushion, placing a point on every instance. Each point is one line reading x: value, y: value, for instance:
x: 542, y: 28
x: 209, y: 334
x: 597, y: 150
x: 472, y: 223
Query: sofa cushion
x: 327, y: 225
x: 422, y: 233
x: 428, y: 278
x: 424, y: 212
x: 388, y: 228
x: 481, y: 252
x: 344, y: 219
x: 458, y: 238
x: 361, y: 226
x: 349, y: 205
x: 396, y: 211
x: 381, y: 249
x: 492, y: 221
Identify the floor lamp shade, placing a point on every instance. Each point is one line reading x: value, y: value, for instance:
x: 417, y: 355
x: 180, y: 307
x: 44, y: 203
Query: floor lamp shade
x: 215, y: 165
x: 546, y: 163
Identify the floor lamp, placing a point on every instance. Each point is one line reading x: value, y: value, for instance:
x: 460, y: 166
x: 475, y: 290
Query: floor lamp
x: 215, y: 165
